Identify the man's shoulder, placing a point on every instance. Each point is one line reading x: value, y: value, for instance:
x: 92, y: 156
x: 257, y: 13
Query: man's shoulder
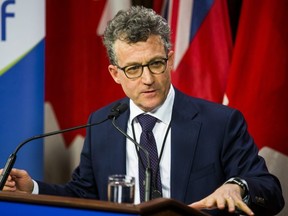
x: 200, y: 105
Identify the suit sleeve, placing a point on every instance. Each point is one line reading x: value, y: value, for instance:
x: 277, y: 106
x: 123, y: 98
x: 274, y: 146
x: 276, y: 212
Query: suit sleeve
x: 240, y: 158
x: 82, y: 183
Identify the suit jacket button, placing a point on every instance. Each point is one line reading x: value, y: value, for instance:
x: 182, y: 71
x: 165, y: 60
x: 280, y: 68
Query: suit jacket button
x: 260, y: 200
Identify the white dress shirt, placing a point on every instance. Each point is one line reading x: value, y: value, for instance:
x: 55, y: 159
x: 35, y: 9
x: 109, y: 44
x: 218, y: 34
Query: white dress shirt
x: 163, y: 114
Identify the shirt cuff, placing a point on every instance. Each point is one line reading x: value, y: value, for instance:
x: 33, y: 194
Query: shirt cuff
x: 35, y: 188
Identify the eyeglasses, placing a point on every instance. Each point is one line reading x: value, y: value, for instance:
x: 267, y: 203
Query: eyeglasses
x: 156, y: 66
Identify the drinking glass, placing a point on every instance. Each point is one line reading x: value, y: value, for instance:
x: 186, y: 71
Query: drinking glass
x: 121, y: 188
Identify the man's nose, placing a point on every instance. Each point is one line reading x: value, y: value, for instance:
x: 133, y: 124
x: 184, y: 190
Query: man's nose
x: 147, y: 77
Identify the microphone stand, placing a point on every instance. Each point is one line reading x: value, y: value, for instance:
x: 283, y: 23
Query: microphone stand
x: 12, y: 158
x: 148, y: 168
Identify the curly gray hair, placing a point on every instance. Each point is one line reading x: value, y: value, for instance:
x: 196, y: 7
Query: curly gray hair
x: 134, y: 25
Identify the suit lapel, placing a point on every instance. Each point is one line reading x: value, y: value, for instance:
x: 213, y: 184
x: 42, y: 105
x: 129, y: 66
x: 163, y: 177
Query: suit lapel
x: 184, y: 134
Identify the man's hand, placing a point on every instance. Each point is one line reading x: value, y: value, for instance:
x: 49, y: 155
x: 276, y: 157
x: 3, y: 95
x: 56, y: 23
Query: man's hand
x: 18, y: 181
x: 228, y: 195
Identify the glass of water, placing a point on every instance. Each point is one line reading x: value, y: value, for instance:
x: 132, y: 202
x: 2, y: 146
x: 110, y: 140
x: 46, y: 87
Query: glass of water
x: 121, y: 189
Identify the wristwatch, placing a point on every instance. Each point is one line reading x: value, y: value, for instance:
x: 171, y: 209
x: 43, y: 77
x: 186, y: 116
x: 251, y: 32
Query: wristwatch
x: 243, y: 184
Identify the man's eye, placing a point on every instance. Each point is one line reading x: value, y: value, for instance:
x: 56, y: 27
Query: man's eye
x: 133, y: 68
x: 156, y: 63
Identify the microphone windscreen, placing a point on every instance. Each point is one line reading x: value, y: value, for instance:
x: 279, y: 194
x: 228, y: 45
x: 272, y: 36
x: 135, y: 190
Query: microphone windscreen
x: 122, y: 108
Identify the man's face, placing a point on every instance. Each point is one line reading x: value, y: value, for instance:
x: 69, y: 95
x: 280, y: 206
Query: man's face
x: 150, y: 90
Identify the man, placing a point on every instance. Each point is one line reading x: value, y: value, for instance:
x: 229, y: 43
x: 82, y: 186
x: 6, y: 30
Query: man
x: 206, y: 157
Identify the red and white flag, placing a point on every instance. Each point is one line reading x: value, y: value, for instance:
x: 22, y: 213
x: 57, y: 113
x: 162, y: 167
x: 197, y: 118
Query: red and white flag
x: 202, y: 43
x: 77, y: 77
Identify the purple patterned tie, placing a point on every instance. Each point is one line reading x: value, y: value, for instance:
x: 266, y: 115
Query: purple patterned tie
x: 148, y: 142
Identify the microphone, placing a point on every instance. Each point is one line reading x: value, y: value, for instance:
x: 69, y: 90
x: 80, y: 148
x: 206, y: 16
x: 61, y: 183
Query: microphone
x: 120, y: 109
x: 115, y: 112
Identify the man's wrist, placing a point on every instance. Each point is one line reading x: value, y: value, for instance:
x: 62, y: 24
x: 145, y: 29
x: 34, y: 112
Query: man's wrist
x: 242, y: 184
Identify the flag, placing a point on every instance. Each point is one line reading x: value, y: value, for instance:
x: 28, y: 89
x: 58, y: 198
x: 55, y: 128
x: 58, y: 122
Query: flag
x: 258, y: 78
x: 77, y: 77
x: 22, y: 32
x: 202, y: 43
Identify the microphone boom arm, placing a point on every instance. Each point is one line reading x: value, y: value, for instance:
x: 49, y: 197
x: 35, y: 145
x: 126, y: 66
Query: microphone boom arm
x: 12, y: 158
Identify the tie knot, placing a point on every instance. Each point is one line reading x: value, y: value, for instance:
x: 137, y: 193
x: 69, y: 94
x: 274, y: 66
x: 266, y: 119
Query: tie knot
x: 147, y: 122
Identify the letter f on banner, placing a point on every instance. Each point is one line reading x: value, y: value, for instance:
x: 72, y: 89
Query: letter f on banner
x: 4, y: 16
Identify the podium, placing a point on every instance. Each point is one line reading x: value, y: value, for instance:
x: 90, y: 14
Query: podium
x: 28, y: 204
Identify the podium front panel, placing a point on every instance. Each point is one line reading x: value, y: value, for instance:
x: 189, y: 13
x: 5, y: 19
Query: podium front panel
x: 16, y: 208
x: 44, y: 205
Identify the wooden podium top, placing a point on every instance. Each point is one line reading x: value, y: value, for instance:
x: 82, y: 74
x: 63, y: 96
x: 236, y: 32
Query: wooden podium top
x: 28, y: 202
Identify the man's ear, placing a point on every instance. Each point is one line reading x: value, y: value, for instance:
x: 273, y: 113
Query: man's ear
x: 114, y: 73
x: 171, y: 56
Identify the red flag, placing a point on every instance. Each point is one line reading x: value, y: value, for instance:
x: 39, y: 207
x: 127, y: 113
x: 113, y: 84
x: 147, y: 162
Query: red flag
x: 258, y: 78
x: 77, y: 77
x: 202, y: 42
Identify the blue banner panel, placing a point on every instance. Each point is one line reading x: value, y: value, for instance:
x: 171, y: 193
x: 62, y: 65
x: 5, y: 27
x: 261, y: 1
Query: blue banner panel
x: 22, y: 111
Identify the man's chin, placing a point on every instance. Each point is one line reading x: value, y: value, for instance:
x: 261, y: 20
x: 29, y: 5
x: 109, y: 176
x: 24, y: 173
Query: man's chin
x: 150, y: 107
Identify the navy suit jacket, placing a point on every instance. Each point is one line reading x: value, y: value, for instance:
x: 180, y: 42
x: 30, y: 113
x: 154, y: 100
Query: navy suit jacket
x: 209, y: 144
